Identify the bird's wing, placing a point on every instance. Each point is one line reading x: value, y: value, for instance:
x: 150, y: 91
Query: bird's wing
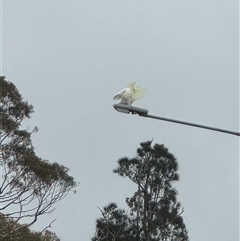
x: 138, y: 93
x: 120, y: 94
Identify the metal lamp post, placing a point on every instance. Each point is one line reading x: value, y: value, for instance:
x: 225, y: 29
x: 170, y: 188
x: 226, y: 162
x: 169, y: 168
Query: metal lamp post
x: 144, y: 113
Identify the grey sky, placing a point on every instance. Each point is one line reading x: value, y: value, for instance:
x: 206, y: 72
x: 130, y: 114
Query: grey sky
x: 69, y: 58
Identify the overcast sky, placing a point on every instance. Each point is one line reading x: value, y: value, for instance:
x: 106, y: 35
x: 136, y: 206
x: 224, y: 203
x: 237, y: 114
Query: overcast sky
x: 69, y: 58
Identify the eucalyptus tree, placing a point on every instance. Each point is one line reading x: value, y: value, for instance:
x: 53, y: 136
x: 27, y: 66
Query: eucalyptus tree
x: 29, y: 185
x: 20, y: 232
x: 153, y: 211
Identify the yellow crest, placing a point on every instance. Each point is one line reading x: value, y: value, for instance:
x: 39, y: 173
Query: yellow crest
x: 137, y: 91
x: 132, y: 85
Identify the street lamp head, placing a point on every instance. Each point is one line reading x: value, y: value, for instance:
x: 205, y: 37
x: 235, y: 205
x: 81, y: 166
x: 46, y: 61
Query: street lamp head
x: 130, y: 109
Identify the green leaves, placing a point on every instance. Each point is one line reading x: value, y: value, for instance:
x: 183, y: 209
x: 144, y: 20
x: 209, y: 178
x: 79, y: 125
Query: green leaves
x: 20, y: 232
x: 153, y: 211
x: 154, y: 163
x: 12, y: 106
x: 30, y: 185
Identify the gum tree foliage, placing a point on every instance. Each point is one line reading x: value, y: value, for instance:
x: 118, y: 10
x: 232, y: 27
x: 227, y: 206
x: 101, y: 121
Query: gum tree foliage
x: 153, y: 211
x: 29, y: 185
x: 23, y: 233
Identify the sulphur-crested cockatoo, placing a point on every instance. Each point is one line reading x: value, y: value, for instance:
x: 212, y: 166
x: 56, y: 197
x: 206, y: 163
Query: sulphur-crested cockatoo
x: 129, y: 94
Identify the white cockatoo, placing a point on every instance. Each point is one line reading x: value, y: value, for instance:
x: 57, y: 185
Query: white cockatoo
x: 129, y: 94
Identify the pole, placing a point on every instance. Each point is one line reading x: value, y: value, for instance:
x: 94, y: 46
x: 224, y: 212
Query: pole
x: 189, y: 124
x: 144, y: 113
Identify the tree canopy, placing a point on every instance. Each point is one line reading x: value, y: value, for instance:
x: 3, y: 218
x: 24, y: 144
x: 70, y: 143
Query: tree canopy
x: 29, y: 185
x: 20, y: 232
x: 153, y: 211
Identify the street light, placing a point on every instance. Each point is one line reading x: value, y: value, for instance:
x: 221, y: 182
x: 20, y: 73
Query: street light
x: 144, y: 113
x: 130, y: 109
